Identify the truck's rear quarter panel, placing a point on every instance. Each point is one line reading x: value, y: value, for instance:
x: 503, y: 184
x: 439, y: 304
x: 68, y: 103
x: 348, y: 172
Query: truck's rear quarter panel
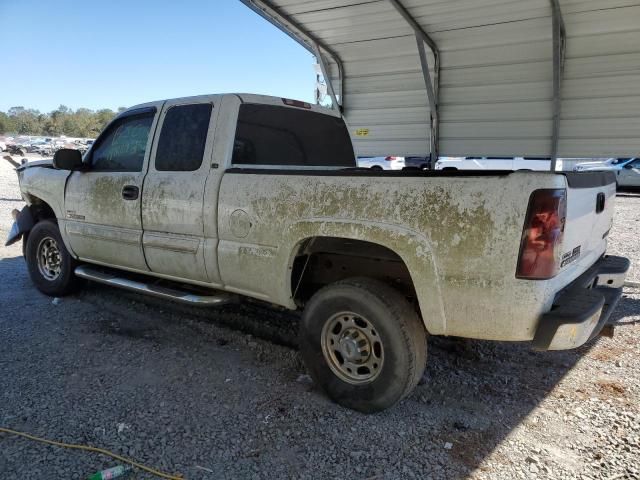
x: 459, y: 236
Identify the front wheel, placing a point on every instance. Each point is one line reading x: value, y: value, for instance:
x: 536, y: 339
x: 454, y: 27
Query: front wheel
x: 363, y: 343
x: 49, y: 263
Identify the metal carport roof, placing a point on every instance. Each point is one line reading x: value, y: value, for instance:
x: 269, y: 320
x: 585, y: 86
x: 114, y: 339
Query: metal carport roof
x: 493, y: 90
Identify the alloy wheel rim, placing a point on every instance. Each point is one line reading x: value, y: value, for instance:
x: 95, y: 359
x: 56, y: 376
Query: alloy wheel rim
x: 352, y: 348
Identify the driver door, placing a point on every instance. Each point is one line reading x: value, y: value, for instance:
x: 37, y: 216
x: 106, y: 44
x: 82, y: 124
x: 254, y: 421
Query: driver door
x: 102, y: 205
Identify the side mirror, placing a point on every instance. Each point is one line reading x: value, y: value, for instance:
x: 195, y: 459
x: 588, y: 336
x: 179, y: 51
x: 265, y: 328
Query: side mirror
x: 629, y: 166
x: 67, y: 159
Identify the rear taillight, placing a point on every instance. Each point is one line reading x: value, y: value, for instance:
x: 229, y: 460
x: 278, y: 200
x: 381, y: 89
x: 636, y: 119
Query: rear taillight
x: 542, y: 235
x: 388, y: 159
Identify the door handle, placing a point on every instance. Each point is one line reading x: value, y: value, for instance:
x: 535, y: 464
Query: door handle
x: 130, y: 192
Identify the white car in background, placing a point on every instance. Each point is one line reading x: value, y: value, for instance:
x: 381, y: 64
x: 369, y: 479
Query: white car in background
x: 602, y: 164
x: 381, y: 163
x: 628, y: 173
x: 626, y: 170
x: 495, y: 163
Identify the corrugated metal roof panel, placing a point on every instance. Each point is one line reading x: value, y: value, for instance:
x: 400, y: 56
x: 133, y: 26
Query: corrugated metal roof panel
x: 496, y: 89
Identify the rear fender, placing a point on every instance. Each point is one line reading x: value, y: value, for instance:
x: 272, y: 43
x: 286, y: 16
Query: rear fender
x: 412, y: 247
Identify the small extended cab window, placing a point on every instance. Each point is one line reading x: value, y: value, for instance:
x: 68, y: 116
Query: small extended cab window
x: 183, y: 138
x: 274, y: 135
x: 122, y: 147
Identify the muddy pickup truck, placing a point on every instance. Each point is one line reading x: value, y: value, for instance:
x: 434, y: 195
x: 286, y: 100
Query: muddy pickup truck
x: 206, y: 199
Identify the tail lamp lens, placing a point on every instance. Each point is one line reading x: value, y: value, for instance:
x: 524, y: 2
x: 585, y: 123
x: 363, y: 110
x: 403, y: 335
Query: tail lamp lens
x: 388, y: 159
x: 540, y: 248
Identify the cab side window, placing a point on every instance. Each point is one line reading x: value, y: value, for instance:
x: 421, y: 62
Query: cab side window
x: 123, y: 146
x: 183, y: 138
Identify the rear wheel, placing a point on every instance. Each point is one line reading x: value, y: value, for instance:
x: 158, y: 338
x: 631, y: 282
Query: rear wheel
x: 363, y: 343
x: 49, y: 263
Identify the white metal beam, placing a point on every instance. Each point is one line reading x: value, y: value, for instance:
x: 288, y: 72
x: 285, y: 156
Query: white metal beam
x: 305, y: 38
x: 559, y: 45
x: 423, y: 38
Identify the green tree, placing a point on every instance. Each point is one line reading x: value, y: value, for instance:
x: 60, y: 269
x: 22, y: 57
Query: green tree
x: 25, y: 121
x: 62, y: 121
x: 6, y: 123
x: 103, y: 117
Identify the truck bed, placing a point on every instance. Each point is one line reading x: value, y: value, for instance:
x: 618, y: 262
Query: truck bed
x: 459, y: 237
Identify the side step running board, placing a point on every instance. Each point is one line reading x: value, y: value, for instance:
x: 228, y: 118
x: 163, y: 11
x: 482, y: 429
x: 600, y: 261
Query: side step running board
x: 117, y: 280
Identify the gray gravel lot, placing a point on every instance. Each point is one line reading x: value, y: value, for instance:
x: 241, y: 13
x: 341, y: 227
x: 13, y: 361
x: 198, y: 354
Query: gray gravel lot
x: 222, y: 393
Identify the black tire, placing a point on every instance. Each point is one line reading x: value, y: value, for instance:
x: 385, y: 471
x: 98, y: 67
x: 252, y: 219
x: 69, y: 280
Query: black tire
x: 377, y: 168
x: 65, y: 282
x: 398, y: 327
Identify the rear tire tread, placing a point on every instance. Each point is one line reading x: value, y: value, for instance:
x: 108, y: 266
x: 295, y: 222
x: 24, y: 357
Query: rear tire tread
x: 400, y: 317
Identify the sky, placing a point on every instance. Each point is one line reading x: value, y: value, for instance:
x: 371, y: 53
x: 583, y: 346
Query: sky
x: 114, y: 53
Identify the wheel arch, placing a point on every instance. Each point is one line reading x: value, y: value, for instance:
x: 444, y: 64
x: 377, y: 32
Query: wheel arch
x: 411, y: 248
x: 39, y: 210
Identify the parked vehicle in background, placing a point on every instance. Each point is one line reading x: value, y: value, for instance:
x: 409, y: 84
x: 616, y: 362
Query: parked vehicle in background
x: 44, y: 149
x: 34, y: 146
x: 600, y: 164
x: 423, y: 163
x: 210, y: 197
x: 610, y: 164
x: 628, y: 173
x: 495, y: 163
x: 381, y: 163
x: 17, y: 149
x: 82, y: 144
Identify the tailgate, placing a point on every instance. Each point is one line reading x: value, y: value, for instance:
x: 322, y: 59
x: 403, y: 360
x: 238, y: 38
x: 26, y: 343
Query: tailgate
x: 590, y: 207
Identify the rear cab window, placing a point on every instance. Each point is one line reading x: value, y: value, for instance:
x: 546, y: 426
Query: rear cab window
x: 270, y: 135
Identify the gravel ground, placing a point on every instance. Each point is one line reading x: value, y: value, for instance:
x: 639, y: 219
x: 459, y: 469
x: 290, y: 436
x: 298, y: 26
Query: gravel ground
x: 222, y: 394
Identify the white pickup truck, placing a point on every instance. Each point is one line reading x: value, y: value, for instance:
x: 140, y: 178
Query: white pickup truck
x: 207, y: 198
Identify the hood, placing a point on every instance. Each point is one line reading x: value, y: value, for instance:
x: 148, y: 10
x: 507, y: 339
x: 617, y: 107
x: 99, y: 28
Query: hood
x: 46, y: 163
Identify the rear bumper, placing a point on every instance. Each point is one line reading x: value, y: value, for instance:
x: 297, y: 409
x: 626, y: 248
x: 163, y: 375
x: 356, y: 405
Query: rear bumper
x: 582, y: 309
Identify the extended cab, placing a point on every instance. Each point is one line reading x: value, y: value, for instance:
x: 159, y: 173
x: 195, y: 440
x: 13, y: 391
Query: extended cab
x: 203, y: 199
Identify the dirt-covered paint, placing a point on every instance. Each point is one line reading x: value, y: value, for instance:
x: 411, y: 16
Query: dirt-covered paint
x: 100, y: 224
x: 458, y: 236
